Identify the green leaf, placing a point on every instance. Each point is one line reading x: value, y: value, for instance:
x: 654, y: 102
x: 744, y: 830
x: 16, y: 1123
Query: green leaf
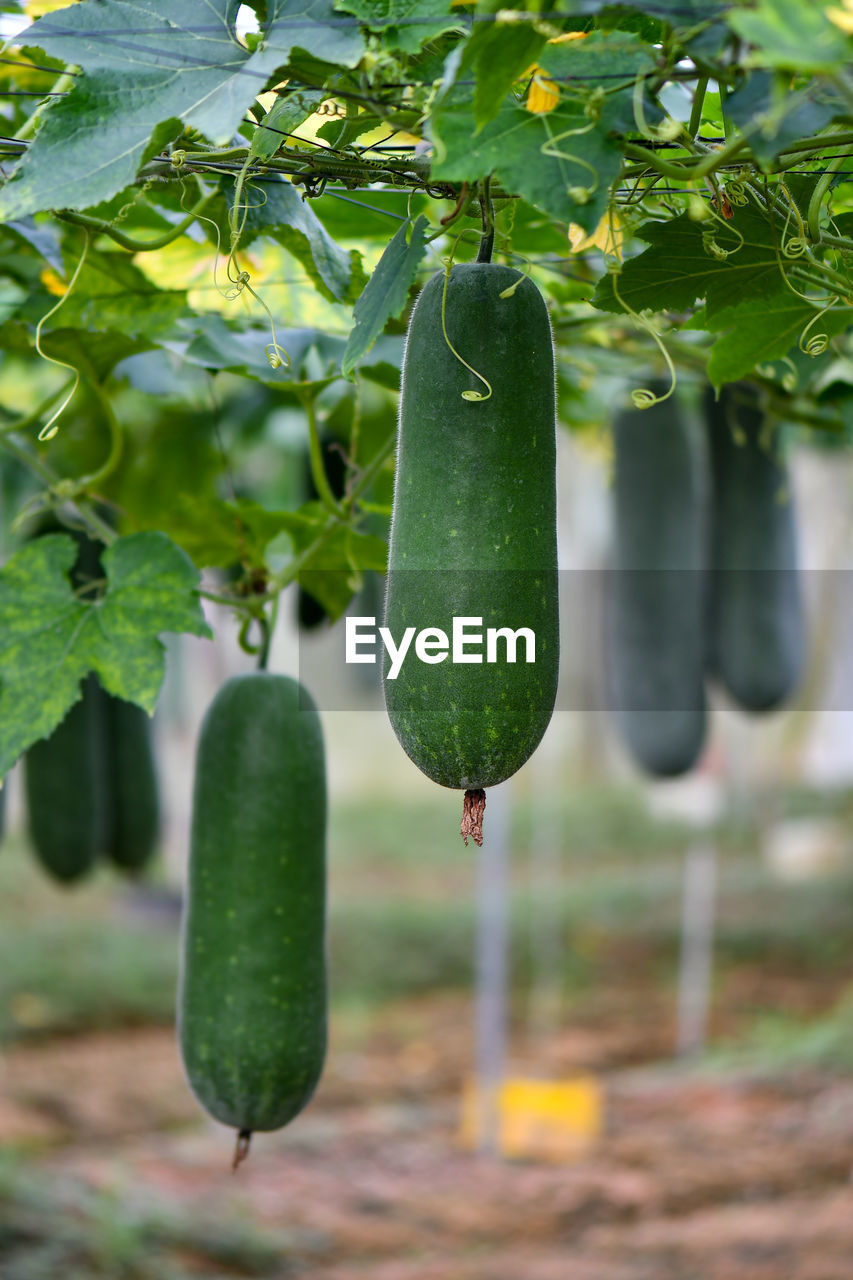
x: 100, y: 352
x: 43, y: 237
x: 218, y: 533
x: 793, y: 35
x: 386, y: 291
x: 50, y: 639
x: 782, y: 117
x: 746, y: 296
x: 145, y: 81
x: 310, y: 25
x: 499, y: 53
x: 407, y: 24
x: 113, y: 294
x: 603, y: 55
x: 216, y: 344
x: 677, y: 269
x: 11, y: 298
x: 332, y: 575
x: 756, y: 335
x: 372, y: 214
x: 288, y: 111
x: 683, y: 13
x: 561, y: 161
x: 282, y: 213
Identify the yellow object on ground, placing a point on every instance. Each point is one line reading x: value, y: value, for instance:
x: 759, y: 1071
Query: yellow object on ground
x: 537, y: 1119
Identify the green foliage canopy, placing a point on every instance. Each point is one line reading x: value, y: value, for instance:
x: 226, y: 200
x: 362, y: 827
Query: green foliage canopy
x: 211, y: 232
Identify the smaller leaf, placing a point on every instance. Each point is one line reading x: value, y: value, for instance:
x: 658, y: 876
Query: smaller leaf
x: 407, y: 24
x: 386, y: 291
x: 288, y: 111
x: 333, y: 575
x: 275, y: 208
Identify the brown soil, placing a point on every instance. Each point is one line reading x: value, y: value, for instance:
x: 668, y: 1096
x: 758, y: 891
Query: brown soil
x: 695, y: 1178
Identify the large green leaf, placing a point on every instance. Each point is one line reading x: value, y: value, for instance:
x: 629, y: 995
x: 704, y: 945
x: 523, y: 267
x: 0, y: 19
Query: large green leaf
x: 332, y: 573
x: 747, y: 298
x: 678, y: 268
x: 756, y: 335
x: 561, y: 161
x: 387, y: 290
x: 148, y: 72
x: 312, y: 25
x: 50, y: 638
x: 606, y: 56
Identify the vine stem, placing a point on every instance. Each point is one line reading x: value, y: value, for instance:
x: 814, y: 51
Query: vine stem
x: 823, y: 185
x: 128, y: 242
x: 487, y: 241
x: 49, y: 428
x: 29, y: 419
x: 712, y: 160
x: 116, y: 449
x: 318, y: 469
x: 88, y: 516
x: 698, y: 103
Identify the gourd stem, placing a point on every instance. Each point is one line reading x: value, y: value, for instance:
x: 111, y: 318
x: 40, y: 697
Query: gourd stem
x: 266, y: 637
x: 487, y: 242
x: 473, y: 808
x: 241, y: 1148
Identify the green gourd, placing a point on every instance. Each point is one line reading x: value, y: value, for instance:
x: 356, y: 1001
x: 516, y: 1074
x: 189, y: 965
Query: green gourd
x: 757, y: 645
x: 130, y: 782
x: 252, y: 994
x: 473, y: 529
x: 656, y: 598
x: 63, y: 784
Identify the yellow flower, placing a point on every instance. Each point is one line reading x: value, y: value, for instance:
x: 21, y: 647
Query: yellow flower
x: 53, y: 283
x: 842, y: 17
x: 607, y: 236
x: 544, y: 93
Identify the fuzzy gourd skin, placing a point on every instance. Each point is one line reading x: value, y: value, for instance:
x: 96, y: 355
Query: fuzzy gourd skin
x: 473, y: 530
x: 656, y: 604
x: 252, y: 993
x: 757, y: 648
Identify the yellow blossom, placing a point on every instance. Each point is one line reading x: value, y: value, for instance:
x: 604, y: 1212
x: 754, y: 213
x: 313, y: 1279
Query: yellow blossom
x: 842, y: 17
x: 52, y: 282
x: 607, y: 236
x: 544, y: 93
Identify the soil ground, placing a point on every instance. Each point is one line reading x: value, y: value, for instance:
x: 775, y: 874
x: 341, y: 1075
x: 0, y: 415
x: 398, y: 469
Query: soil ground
x: 699, y: 1175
